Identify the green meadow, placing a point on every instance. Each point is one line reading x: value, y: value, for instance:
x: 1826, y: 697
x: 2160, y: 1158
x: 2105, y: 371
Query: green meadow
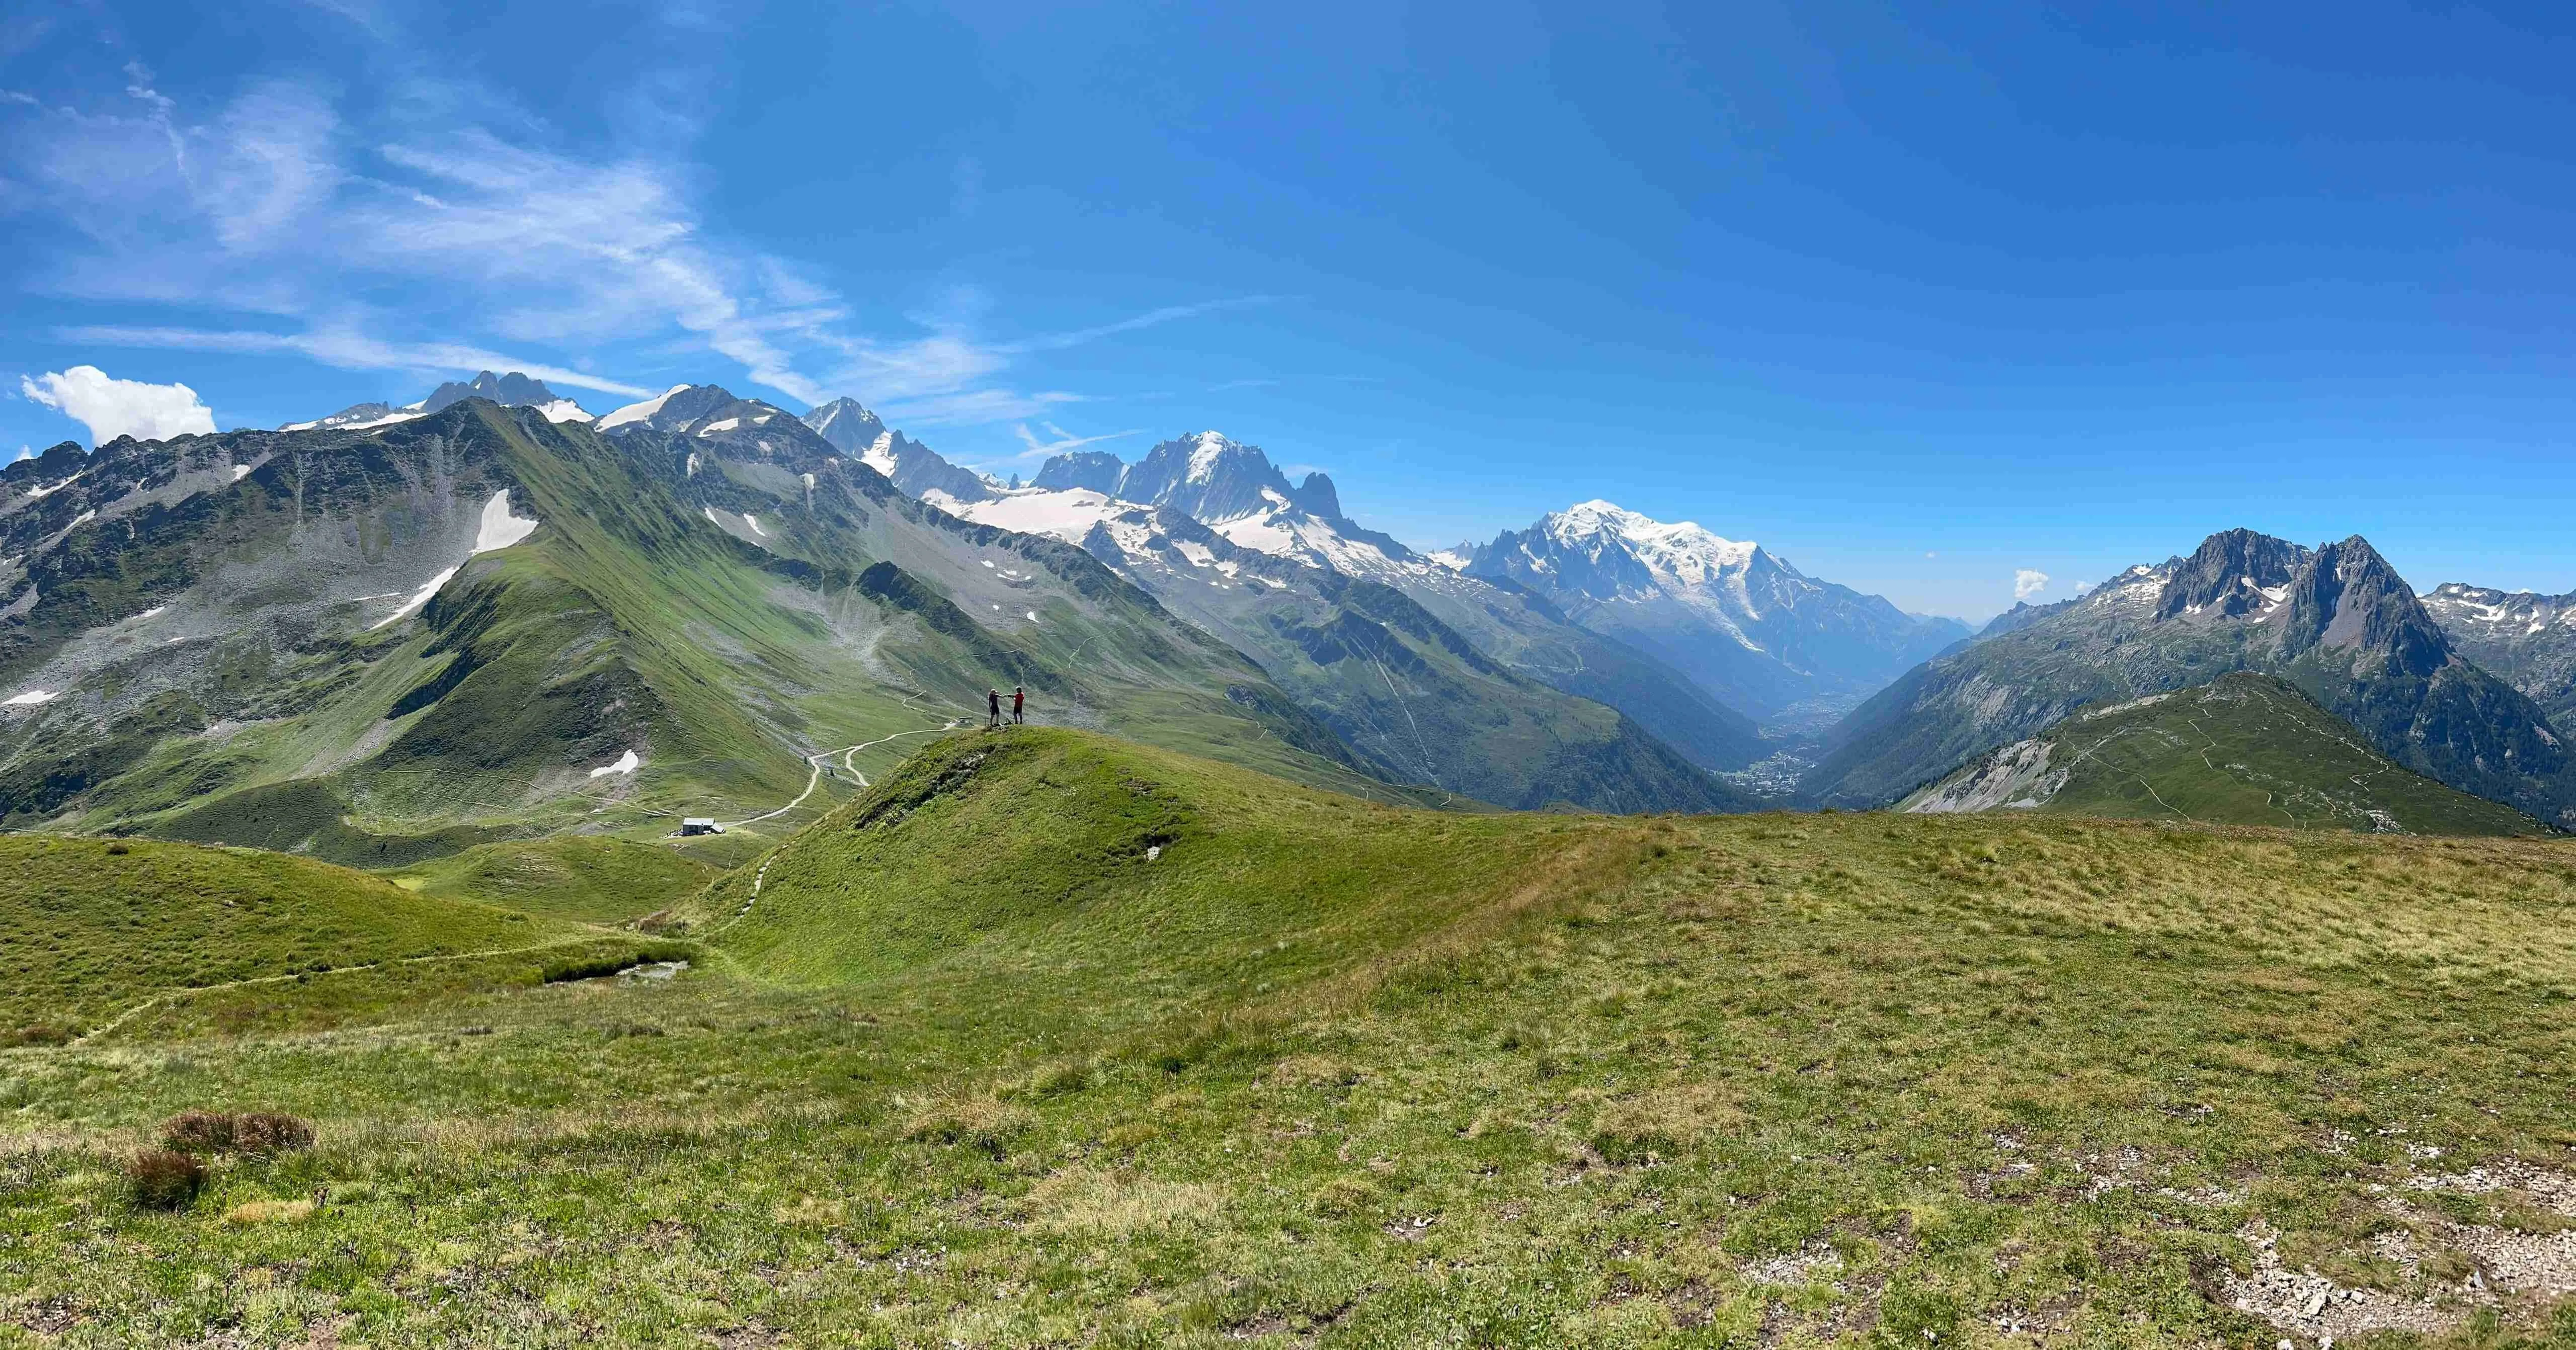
x: 1052, y: 1039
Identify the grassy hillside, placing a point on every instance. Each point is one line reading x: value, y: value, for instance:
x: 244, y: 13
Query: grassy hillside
x: 91, y: 927
x: 1054, y: 1040
x: 2245, y: 749
x: 591, y: 878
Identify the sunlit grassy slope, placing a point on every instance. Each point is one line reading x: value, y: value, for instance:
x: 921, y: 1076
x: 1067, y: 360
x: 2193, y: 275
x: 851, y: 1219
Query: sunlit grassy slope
x: 593, y: 878
x: 1056, y: 1040
x: 89, y: 927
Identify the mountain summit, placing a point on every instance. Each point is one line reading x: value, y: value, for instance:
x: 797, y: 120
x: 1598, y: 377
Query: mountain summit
x: 909, y: 464
x: 2336, y: 621
x: 1756, y: 632
x: 512, y: 390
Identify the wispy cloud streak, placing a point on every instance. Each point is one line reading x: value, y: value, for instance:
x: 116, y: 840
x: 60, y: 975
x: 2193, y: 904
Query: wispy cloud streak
x: 405, y: 233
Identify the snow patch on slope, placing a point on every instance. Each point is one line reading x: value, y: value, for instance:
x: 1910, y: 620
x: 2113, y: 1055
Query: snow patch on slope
x: 497, y: 529
x: 637, y: 412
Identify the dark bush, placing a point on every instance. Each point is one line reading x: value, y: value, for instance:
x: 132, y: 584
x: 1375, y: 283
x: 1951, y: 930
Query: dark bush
x: 165, y: 1179
x: 198, y: 1132
x: 35, y: 1034
x: 269, y: 1132
x: 254, y: 1132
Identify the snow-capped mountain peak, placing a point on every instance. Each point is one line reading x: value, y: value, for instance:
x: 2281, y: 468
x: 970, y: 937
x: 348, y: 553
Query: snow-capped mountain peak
x: 908, y: 464
x: 1682, y: 552
x: 1208, y: 451
x: 1754, y: 630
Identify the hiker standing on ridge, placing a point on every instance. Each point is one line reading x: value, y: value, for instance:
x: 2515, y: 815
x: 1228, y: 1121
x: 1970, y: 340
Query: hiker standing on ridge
x: 993, y: 708
x: 1019, y: 702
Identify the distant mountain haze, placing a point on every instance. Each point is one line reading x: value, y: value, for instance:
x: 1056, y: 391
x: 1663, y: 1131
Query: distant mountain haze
x: 1754, y: 631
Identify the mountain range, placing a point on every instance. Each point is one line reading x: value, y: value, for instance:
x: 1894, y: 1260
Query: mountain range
x: 2529, y: 640
x: 2335, y: 621
x: 477, y: 623
x: 1431, y: 677
x: 399, y: 631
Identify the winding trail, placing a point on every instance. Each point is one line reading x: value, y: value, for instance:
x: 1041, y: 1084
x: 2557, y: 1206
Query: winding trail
x: 816, y: 762
x: 191, y: 991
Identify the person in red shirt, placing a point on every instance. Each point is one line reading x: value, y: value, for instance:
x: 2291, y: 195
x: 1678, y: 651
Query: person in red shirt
x: 1019, y: 702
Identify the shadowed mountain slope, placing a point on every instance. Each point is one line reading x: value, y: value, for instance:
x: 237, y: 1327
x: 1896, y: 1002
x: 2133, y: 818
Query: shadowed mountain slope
x: 2244, y: 749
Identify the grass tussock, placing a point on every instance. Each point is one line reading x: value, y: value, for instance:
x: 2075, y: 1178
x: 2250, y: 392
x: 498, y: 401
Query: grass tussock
x: 164, y: 1179
x: 254, y: 1133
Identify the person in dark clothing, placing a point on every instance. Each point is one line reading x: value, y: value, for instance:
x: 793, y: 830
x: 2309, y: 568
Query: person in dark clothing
x: 1019, y: 703
x: 993, y: 707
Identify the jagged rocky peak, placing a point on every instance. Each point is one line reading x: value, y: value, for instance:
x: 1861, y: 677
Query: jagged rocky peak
x: 1316, y: 496
x: 911, y: 466
x: 510, y: 391
x: 1094, y: 470
x: 1209, y: 476
x: 2350, y: 597
x: 2233, y: 573
x: 850, y: 427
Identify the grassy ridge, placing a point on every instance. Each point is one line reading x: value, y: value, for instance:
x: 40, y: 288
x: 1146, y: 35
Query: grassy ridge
x: 1080, y: 862
x: 2245, y: 749
x: 88, y: 926
x: 974, y: 1068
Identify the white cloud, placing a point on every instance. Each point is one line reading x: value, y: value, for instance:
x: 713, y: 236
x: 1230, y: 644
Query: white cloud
x: 1058, y: 440
x: 349, y: 351
x: 111, y: 407
x: 2028, y: 582
x: 416, y: 224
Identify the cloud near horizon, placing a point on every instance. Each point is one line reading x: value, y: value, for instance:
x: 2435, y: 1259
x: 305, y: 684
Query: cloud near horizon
x: 2028, y: 582
x: 111, y: 407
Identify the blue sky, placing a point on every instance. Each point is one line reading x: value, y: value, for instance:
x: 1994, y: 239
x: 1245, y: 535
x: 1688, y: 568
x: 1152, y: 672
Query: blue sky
x: 1921, y: 297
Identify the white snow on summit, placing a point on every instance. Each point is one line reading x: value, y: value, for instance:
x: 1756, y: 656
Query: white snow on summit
x: 1212, y: 445
x: 1683, y: 552
x: 637, y: 412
